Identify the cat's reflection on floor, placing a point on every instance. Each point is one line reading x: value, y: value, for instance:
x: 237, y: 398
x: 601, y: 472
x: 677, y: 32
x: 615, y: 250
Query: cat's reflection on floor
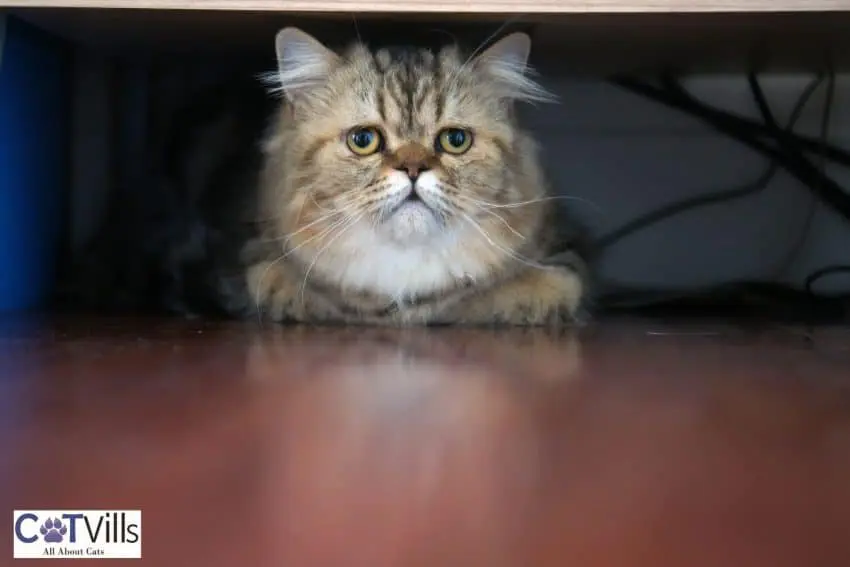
x: 406, y: 427
x: 530, y: 354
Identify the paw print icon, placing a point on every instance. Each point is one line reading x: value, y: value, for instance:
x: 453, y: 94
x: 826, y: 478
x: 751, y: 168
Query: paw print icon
x: 53, y: 530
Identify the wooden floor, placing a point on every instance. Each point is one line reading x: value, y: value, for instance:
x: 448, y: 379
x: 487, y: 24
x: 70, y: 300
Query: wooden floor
x: 627, y: 444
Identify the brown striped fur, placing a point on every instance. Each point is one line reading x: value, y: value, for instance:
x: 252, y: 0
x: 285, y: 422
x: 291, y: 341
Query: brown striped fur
x: 337, y: 247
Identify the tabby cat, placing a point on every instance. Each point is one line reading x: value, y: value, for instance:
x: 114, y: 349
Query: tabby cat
x: 392, y: 186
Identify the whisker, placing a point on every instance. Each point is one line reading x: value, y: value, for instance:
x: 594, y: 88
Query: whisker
x: 489, y: 239
x: 506, y: 223
x: 301, y: 208
x: 348, y: 207
x: 318, y: 206
x: 286, y: 254
x: 356, y: 28
x: 445, y: 33
x: 530, y: 202
x: 304, y: 188
x: 291, y: 235
x: 482, y: 45
x: 479, y: 208
x: 351, y: 222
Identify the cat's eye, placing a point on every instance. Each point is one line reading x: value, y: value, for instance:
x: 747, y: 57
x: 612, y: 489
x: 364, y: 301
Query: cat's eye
x: 364, y: 141
x: 454, y: 141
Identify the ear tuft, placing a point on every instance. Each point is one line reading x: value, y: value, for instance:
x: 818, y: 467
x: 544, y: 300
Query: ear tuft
x: 507, y: 63
x: 303, y: 63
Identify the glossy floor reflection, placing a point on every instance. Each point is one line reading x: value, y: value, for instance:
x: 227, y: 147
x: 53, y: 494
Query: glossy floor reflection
x: 625, y: 444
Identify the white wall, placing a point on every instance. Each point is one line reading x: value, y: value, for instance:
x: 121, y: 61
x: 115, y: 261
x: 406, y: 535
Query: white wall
x: 621, y: 156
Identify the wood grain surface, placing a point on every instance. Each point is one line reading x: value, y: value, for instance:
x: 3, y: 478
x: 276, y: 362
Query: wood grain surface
x: 619, y: 445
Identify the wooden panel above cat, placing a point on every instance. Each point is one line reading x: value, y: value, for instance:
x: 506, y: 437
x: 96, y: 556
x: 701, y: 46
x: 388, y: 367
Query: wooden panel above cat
x: 456, y: 6
x: 594, y: 37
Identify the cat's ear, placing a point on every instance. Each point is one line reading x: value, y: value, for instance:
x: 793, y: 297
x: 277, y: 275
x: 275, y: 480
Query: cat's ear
x: 302, y: 62
x: 506, y: 61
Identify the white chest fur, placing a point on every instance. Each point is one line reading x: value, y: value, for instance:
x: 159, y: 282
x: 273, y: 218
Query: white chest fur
x: 366, y: 261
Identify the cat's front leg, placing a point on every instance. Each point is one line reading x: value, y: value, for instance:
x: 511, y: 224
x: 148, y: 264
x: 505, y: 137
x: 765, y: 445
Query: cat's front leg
x: 275, y: 292
x: 536, y: 296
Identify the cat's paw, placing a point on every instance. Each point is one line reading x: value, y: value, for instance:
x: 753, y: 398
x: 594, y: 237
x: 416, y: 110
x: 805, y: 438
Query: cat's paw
x: 550, y: 296
x: 541, y: 296
x: 273, y: 293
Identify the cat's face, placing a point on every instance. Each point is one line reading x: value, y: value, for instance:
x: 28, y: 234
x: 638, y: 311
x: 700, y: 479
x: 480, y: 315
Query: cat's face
x: 403, y: 149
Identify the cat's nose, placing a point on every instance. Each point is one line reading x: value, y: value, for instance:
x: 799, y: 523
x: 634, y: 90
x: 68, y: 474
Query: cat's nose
x: 413, y: 169
x: 413, y: 159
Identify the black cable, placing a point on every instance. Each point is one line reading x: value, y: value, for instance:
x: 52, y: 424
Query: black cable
x: 752, y: 127
x: 818, y: 275
x: 822, y: 273
x: 748, y: 294
x: 676, y: 97
x: 826, y: 118
x: 752, y: 188
x: 652, y: 218
x: 761, y: 102
x: 796, y: 162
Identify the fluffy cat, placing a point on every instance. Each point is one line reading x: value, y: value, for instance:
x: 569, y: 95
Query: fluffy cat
x: 387, y: 186
x: 399, y: 189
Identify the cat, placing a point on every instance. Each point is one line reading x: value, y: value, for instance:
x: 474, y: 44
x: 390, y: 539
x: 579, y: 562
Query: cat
x: 388, y: 186
x: 399, y: 189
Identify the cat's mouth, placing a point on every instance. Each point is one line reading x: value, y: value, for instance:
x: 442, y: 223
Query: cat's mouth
x: 413, y: 196
x: 412, y: 202
x: 411, y: 219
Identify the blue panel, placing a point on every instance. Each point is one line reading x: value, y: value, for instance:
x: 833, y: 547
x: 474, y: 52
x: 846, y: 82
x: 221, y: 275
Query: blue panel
x: 33, y: 163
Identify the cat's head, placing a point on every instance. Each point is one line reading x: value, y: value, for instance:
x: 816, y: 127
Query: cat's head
x: 403, y: 149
